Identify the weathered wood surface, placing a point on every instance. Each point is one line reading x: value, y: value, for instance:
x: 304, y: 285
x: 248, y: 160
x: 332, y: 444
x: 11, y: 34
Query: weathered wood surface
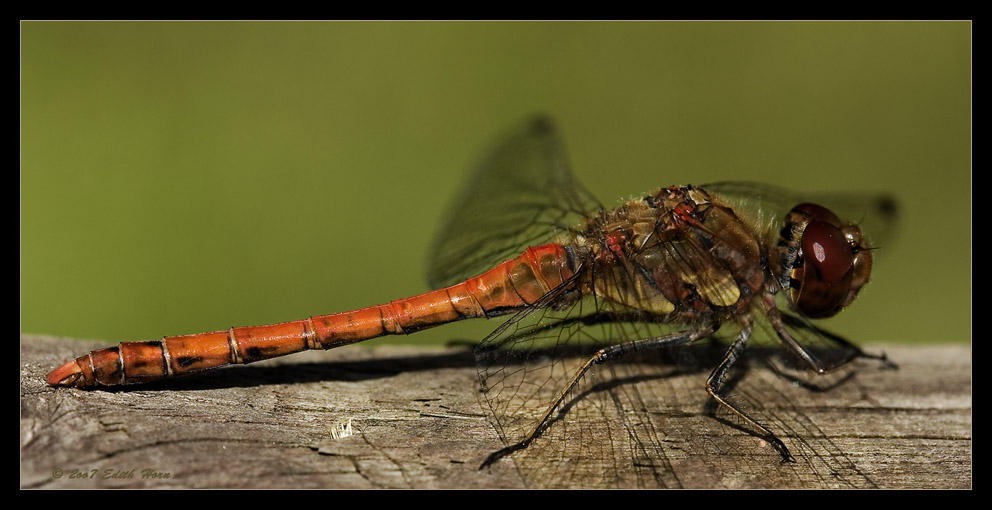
x: 419, y: 422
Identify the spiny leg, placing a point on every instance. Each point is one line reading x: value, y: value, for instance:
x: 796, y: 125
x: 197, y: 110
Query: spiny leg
x: 604, y: 355
x: 820, y: 368
x: 715, y: 382
x: 797, y: 322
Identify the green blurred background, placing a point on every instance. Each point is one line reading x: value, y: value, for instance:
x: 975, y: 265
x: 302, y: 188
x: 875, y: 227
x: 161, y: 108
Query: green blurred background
x: 186, y: 177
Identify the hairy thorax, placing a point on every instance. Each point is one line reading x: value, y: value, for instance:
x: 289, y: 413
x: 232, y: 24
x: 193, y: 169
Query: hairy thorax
x: 678, y: 254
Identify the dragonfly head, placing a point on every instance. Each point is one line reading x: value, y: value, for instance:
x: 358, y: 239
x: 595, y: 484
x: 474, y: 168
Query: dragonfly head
x: 822, y: 261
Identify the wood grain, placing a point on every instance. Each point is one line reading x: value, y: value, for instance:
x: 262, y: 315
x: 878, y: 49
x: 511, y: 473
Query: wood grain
x: 418, y: 421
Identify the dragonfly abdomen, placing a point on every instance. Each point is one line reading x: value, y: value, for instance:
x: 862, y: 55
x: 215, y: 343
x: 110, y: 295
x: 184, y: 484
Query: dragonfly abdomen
x: 513, y: 284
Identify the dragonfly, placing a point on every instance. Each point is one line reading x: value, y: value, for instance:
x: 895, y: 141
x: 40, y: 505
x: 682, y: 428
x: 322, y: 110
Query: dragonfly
x: 588, y: 293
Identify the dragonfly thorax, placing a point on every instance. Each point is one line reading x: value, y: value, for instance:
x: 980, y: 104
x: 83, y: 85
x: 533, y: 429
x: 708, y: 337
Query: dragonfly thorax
x: 677, y: 253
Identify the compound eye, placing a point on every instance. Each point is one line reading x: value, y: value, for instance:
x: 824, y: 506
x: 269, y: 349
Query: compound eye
x: 825, y: 276
x: 826, y: 249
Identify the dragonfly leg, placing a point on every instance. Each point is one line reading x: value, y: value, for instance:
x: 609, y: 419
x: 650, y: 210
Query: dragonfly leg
x: 715, y: 382
x: 601, y: 356
x: 778, y: 323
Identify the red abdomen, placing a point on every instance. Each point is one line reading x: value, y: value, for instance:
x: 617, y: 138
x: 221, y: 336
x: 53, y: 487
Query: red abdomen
x: 512, y: 285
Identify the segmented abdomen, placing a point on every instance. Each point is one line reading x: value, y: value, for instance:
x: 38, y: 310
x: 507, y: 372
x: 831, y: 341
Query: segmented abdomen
x: 511, y: 285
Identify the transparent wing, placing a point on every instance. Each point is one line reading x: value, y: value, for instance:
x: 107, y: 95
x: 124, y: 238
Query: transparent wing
x: 594, y: 435
x: 645, y: 420
x: 521, y: 194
